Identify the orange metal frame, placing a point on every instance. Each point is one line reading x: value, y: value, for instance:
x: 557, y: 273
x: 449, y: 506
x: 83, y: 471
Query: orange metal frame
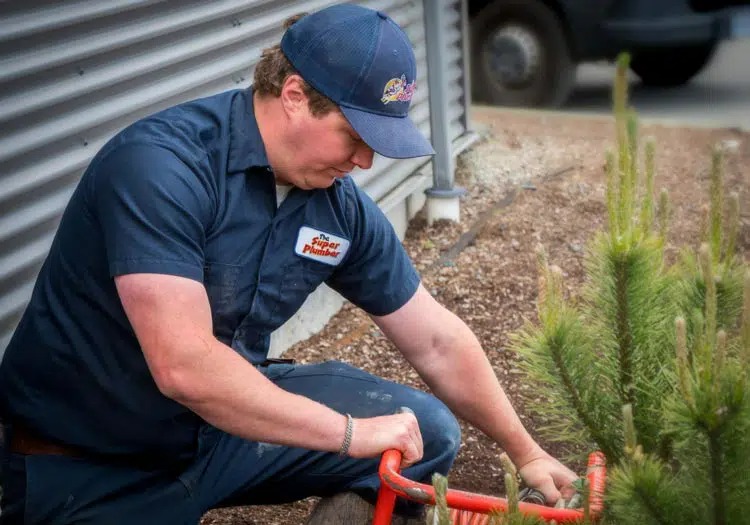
x: 472, y: 509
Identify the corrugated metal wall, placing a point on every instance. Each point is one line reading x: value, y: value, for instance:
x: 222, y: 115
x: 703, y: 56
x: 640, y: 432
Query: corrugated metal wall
x: 72, y: 74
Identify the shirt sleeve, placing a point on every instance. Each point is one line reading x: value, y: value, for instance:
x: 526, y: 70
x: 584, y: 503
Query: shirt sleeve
x: 153, y: 210
x: 377, y: 274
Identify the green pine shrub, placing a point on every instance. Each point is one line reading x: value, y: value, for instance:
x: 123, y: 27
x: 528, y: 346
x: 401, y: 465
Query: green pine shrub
x: 707, y: 417
x: 612, y: 348
x: 650, y: 363
x: 685, y: 445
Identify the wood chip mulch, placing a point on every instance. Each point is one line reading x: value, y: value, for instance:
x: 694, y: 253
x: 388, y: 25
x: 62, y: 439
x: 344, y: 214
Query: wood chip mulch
x: 534, y: 178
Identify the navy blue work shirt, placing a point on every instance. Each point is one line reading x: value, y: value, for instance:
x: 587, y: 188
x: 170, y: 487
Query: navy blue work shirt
x: 186, y: 192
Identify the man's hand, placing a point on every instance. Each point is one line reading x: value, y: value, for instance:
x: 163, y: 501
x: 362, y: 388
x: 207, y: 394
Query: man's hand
x: 548, y: 476
x: 375, y: 435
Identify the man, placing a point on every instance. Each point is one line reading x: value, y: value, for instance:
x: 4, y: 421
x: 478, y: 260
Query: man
x: 137, y: 389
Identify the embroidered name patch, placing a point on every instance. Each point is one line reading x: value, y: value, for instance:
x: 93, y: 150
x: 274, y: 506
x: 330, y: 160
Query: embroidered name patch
x: 320, y: 246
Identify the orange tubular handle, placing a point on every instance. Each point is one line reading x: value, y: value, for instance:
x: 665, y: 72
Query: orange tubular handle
x: 393, y: 484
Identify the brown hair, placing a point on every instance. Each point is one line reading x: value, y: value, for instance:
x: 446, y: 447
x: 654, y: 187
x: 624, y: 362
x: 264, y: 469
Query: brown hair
x: 274, y: 68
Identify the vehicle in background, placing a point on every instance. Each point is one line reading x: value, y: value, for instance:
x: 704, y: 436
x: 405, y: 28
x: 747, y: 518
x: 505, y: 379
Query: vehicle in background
x: 525, y: 52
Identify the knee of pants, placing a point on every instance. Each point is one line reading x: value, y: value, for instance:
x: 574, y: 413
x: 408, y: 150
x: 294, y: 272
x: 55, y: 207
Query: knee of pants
x: 440, y: 430
x: 441, y: 433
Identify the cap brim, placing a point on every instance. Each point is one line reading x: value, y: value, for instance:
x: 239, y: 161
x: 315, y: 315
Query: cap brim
x: 392, y: 137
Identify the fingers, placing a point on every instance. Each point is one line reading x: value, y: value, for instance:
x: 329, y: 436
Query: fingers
x: 413, y: 447
x: 410, y: 455
x: 420, y: 443
x: 568, y: 491
x: 373, y: 436
x: 551, y: 478
x: 564, y: 482
x: 551, y: 494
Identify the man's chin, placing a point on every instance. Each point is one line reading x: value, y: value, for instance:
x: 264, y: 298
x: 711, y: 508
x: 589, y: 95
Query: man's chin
x: 317, y: 184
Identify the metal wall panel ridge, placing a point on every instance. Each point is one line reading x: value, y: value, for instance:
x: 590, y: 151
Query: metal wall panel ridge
x: 72, y: 74
x: 456, y: 33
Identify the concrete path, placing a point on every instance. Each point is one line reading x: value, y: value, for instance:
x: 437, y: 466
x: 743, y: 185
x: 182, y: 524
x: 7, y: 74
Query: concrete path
x: 719, y: 96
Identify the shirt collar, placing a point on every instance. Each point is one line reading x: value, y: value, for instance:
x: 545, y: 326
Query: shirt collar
x: 246, y: 147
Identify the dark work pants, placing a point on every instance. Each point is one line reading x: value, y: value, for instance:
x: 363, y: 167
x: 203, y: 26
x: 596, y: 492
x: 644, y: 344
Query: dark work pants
x: 227, y: 470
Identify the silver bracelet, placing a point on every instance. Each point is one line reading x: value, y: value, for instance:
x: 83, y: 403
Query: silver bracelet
x: 344, y: 450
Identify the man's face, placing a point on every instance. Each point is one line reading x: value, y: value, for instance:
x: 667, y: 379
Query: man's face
x: 322, y: 150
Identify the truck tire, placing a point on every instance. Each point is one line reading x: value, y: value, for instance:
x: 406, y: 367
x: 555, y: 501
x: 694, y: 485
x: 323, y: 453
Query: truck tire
x: 671, y: 67
x: 520, y: 55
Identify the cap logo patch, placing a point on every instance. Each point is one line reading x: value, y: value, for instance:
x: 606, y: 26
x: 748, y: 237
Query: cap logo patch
x: 397, y: 90
x: 320, y: 246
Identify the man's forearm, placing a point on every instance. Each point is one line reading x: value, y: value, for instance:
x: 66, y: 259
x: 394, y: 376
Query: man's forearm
x: 233, y: 396
x: 227, y: 391
x: 458, y: 371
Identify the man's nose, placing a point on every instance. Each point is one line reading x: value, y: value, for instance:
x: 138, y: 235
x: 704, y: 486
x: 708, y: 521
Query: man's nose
x: 363, y: 156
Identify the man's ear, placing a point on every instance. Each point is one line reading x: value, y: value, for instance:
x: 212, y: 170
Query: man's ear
x: 293, y: 98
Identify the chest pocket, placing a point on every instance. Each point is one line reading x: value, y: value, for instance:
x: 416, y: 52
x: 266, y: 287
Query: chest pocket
x: 281, y: 290
x: 222, y: 282
x: 300, y: 278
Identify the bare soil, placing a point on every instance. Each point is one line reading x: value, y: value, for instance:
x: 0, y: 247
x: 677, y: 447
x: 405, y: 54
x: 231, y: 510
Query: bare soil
x: 535, y: 178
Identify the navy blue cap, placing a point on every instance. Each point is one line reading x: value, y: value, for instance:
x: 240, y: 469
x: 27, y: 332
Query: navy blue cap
x: 364, y: 62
